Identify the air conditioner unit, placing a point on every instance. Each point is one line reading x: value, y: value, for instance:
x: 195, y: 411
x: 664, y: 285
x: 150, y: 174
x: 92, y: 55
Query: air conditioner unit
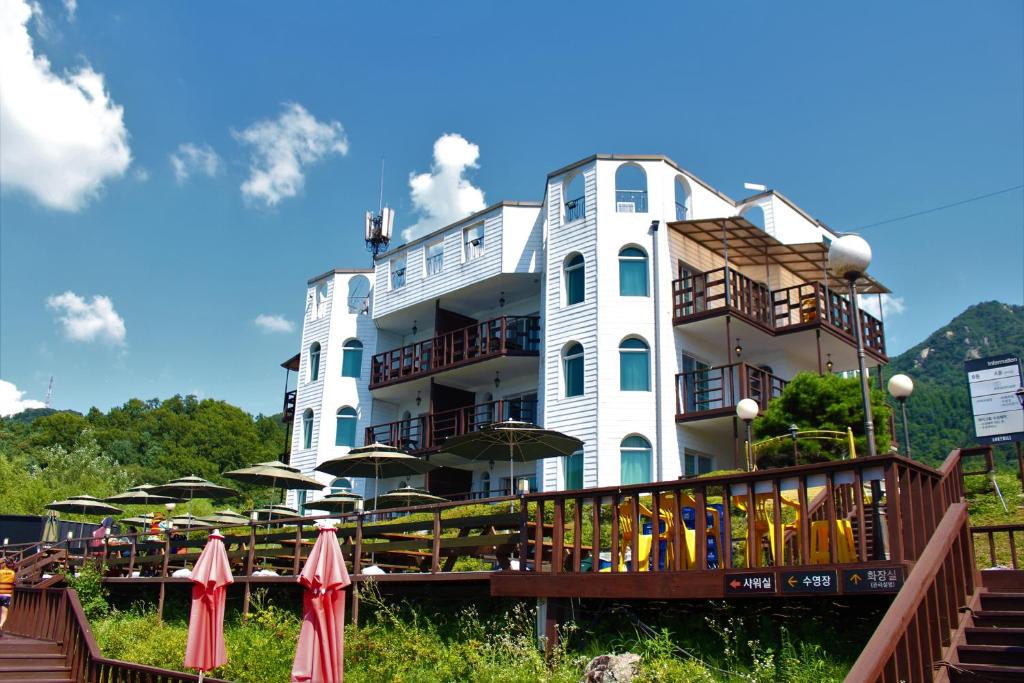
x: 625, y: 207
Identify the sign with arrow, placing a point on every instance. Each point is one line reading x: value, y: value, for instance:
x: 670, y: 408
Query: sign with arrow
x: 875, y: 580
x: 809, y: 582
x: 749, y: 584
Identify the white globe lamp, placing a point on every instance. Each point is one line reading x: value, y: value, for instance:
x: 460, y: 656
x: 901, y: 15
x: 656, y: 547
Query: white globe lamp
x: 901, y: 387
x: 747, y: 409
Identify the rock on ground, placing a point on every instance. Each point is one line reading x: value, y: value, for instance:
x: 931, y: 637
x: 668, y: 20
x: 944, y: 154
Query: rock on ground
x: 612, y: 668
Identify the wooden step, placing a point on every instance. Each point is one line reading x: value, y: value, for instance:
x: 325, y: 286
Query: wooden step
x: 1002, y: 601
x: 999, y: 618
x: 37, y: 672
x: 993, y: 636
x: 975, y: 673
x: 1001, y: 655
x: 18, y: 644
x: 9, y: 659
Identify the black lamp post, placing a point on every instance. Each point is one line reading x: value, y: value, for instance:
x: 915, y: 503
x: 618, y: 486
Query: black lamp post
x: 793, y: 429
x: 901, y: 386
x: 849, y: 257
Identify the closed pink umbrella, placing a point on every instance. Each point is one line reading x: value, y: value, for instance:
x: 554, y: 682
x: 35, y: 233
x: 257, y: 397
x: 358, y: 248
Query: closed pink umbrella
x: 210, y: 576
x: 320, y: 654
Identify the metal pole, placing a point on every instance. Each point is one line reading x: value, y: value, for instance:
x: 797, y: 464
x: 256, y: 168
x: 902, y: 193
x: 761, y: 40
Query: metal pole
x: 750, y: 449
x: 906, y: 427
x: 865, y: 394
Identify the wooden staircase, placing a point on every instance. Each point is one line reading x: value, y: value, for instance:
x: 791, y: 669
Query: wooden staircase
x: 989, y: 645
x: 30, y: 659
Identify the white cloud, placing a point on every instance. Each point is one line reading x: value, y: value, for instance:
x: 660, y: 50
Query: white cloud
x: 141, y: 174
x: 11, y: 401
x: 445, y: 195
x: 270, y: 324
x: 71, y: 6
x: 190, y: 159
x: 61, y: 136
x: 891, y: 305
x: 88, y: 321
x: 281, y: 150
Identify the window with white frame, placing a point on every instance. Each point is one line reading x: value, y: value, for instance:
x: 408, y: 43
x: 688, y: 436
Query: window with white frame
x: 433, y: 259
x: 398, y: 273
x: 473, y: 241
x: 307, y: 428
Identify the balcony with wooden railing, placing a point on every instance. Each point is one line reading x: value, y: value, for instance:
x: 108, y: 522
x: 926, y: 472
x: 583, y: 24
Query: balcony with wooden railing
x: 426, y: 433
x: 716, y: 391
x: 792, y: 309
x: 504, y: 336
x: 289, y: 406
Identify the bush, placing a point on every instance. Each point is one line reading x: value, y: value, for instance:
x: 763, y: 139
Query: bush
x: 813, y: 402
x: 88, y: 584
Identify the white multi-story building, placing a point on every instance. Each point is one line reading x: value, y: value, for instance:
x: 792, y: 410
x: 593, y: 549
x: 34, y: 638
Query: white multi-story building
x: 632, y: 308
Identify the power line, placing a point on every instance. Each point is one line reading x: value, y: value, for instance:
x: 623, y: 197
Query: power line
x: 940, y: 208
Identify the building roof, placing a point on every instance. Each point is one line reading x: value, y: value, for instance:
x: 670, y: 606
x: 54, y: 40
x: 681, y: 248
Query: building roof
x: 748, y: 245
x: 471, y: 217
x: 643, y: 157
x: 292, y: 363
x: 339, y: 271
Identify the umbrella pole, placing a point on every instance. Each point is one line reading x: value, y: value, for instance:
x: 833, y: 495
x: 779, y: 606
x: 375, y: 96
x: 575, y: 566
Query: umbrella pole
x: 511, y: 479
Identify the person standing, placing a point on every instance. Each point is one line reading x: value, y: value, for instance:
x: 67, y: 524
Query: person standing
x: 7, y: 578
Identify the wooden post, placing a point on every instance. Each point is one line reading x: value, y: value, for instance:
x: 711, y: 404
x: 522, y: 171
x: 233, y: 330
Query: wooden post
x: 616, y: 550
x: 524, y: 533
x: 700, y: 527
x: 538, y: 536
x: 558, y: 537
x: 163, y: 576
x: 577, y: 535
x: 553, y: 617
x: 297, y: 558
x: 435, y: 544
x: 250, y: 556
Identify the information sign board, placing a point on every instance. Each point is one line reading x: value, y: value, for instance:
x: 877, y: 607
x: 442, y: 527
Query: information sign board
x: 993, y: 384
x: 749, y: 584
x: 876, y: 580
x: 824, y: 581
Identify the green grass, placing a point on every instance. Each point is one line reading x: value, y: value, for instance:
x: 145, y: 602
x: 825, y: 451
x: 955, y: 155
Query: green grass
x: 985, y: 509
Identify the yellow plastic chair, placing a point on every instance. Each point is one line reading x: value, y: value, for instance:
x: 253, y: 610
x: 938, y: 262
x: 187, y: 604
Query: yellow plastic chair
x: 846, y: 549
x: 626, y: 532
x: 764, y: 525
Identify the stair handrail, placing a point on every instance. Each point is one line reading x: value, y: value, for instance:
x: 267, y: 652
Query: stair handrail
x: 56, y: 614
x: 916, y: 628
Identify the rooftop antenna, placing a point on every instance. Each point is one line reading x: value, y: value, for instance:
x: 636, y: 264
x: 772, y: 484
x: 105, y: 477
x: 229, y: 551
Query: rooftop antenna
x: 379, y: 227
x: 49, y: 393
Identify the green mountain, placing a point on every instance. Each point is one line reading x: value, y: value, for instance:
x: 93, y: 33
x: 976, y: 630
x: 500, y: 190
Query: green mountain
x: 939, y: 411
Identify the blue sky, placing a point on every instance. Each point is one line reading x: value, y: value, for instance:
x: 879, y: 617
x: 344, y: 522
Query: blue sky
x: 859, y: 112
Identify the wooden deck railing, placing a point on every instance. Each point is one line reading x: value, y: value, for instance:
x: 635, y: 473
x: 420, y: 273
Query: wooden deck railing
x: 507, y: 335
x: 785, y: 310
x: 996, y: 545
x: 55, y: 614
x: 701, y: 393
x: 919, y: 622
x: 426, y: 432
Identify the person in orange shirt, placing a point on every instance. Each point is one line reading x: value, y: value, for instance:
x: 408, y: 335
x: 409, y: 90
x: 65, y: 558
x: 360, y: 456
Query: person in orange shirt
x: 7, y: 579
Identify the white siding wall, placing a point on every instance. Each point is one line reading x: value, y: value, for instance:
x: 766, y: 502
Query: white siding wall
x: 510, y: 244
x: 576, y: 416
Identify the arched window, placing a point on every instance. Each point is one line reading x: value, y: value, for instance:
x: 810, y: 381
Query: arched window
x: 351, y: 358
x: 341, y: 485
x: 630, y: 189
x: 572, y: 369
x: 682, y: 190
x: 632, y: 272
x: 314, y: 361
x: 307, y: 428
x: 345, y: 434
x: 574, y: 272
x: 358, y: 294
x: 634, y: 365
x: 574, y: 198
x: 573, y: 467
x: 635, y: 458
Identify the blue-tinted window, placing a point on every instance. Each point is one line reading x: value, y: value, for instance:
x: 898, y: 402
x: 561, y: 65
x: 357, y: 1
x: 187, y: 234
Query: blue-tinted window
x: 574, y: 279
x: 634, y: 365
x: 635, y: 454
x: 345, y: 434
x: 351, y: 358
x: 572, y: 369
x: 632, y: 272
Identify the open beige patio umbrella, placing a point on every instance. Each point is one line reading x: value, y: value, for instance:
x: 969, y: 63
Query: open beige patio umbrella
x: 224, y: 517
x: 187, y: 522
x: 342, y: 501
x: 275, y: 474
x: 376, y: 460
x: 512, y: 439
x: 140, y: 495
x: 83, y: 505
x: 405, y: 496
x: 191, y: 487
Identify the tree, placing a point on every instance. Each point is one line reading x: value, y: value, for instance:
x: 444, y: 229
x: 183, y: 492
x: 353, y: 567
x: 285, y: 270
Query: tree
x: 813, y: 402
